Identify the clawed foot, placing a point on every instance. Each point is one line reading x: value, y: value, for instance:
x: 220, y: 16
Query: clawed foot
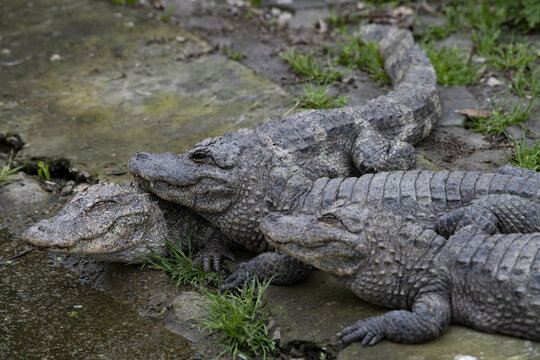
x: 211, y: 256
x: 361, y: 330
x: 237, y: 278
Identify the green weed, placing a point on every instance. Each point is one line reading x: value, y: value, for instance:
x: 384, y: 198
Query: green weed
x: 240, y: 320
x: 233, y: 55
x: 180, y: 266
x: 43, y: 171
x: 7, y: 171
x: 306, y: 65
x: 500, y: 118
x: 355, y: 53
x: 524, y: 156
x: 526, y: 82
x: 486, y: 41
x: 513, y: 56
x: 451, y: 65
x: 317, y: 98
x: 167, y: 16
x: 525, y: 12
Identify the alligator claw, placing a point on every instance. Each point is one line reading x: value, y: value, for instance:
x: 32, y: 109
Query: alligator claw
x: 237, y: 278
x: 361, y: 330
x: 210, y: 257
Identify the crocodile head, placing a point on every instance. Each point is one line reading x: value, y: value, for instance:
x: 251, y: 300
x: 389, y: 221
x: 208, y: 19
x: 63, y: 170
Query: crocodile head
x: 205, y: 179
x: 110, y: 222
x: 331, y: 241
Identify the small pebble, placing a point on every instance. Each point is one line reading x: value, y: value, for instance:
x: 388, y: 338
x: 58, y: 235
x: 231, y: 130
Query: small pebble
x: 66, y: 190
x: 5, y: 51
x: 55, y: 57
x: 81, y: 187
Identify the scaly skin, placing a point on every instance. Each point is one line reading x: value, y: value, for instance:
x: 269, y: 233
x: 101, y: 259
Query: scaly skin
x: 442, y: 200
x: 122, y: 223
x: 232, y: 180
x: 488, y: 282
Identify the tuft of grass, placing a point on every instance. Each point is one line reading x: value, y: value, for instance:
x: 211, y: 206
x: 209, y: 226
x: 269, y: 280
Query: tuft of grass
x: 486, y: 41
x: 500, y: 119
x: 527, y: 82
x: 167, y: 16
x: 240, y: 320
x: 355, y: 53
x: 7, y: 171
x: 233, y: 55
x: 180, y: 267
x: 523, y: 156
x: 317, y: 98
x: 43, y: 171
x: 306, y: 65
x: 513, y: 56
x: 453, y: 67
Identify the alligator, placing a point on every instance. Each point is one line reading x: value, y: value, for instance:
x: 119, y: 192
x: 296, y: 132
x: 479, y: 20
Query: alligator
x: 232, y: 179
x: 123, y: 223
x: 444, y: 201
x: 488, y: 282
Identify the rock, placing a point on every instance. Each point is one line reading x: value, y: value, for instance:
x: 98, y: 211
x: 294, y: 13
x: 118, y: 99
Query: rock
x: 454, y: 98
x: 66, y: 190
x: 81, y: 187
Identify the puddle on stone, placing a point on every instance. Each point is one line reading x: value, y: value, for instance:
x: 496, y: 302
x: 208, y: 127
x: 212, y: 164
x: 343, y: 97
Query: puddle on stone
x: 47, y: 313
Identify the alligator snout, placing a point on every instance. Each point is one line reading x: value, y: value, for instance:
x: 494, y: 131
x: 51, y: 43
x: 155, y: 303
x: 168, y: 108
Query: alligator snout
x: 42, y: 235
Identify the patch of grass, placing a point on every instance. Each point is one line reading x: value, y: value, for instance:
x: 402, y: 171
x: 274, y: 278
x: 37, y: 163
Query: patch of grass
x: 524, y: 156
x: 240, y: 320
x: 527, y: 82
x: 307, y: 66
x: 317, y: 98
x: 180, y: 267
x: 525, y: 12
x: 500, y: 119
x: 513, y: 56
x: 486, y: 41
x: 7, y: 171
x: 355, y: 53
x: 43, y: 171
x: 167, y: 16
x: 435, y: 33
x: 123, y: 2
x: 453, y: 67
x: 233, y: 55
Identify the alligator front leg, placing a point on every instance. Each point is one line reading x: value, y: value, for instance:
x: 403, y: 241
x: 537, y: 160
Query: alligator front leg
x: 493, y: 214
x: 429, y: 317
x: 217, y: 249
x: 281, y: 268
x: 372, y: 152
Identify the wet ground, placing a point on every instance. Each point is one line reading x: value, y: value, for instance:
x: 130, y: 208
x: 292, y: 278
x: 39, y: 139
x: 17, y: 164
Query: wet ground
x: 87, y: 84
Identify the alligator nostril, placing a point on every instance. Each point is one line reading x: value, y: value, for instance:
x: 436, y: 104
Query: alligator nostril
x: 41, y: 228
x: 142, y: 156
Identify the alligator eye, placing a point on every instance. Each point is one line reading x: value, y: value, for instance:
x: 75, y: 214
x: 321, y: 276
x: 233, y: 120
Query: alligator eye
x: 101, y: 205
x: 198, y: 156
x: 329, y: 219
